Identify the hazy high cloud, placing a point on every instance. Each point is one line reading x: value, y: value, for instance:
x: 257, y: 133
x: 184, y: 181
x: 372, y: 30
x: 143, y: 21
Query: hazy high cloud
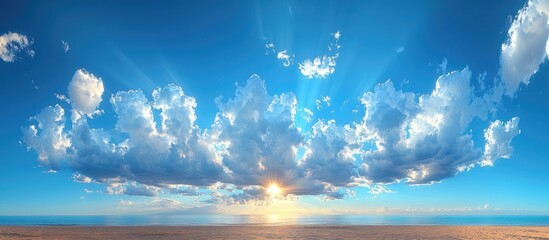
x: 156, y: 147
x: 13, y: 43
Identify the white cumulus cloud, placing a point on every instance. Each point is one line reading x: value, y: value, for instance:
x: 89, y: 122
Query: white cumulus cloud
x: 421, y: 138
x: 13, y: 43
x: 85, y: 93
x: 526, y: 46
x: 498, y: 140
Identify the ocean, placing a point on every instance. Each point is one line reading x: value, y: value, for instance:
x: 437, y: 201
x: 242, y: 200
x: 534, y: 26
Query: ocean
x: 273, y: 220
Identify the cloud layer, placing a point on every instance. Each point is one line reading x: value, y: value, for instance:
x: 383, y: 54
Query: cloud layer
x: 254, y: 141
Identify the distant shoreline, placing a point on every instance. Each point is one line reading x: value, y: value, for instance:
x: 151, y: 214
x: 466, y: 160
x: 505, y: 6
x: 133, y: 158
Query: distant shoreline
x: 275, y: 232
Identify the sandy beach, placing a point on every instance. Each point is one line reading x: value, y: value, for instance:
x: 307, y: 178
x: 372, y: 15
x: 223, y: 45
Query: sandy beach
x: 277, y: 232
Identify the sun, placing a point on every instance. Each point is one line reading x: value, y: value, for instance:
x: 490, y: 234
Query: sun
x: 274, y: 190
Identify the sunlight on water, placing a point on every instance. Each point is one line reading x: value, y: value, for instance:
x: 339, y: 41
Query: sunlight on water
x: 273, y: 219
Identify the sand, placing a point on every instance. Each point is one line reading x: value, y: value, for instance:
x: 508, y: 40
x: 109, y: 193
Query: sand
x: 277, y: 232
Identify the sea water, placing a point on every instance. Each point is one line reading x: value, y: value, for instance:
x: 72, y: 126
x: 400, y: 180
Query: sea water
x: 273, y: 219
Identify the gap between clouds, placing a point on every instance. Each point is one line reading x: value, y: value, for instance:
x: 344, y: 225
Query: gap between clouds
x: 403, y: 136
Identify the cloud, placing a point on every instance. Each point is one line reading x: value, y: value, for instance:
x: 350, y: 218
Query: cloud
x: 323, y: 101
x: 66, y: 46
x: 399, y: 49
x: 330, y: 154
x: 319, y: 67
x: 421, y: 138
x: 81, y: 178
x: 498, y: 140
x: 252, y: 142
x: 257, y: 136
x: 322, y: 66
x: 157, y: 203
x: 379, y: 189
x: 442, y: 66
x: 13, y: 43
x: 62, y: 98
x: 34, y: 85
x: 334, y: 193
x: 176, y: 153
x: 85, y: 92
x: 285, y: 57
x: 307, y: 115
x: 269, y: 47
x: 133, y: 189
x: 48, y: 136
x: 249, y: 195
x: 336, y: 35
x: 526, y: 47
x: 126, y: 203
x: 185, y: 190
x: 485, y: 208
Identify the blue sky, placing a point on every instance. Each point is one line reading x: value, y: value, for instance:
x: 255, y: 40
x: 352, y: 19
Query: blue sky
x: 359, y: 107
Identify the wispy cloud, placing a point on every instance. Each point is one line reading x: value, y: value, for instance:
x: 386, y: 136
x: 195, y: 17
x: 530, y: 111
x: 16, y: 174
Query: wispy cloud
x: 323, y: 101
x: 283, y: 55
x: 65, y: 45
x: 442, y: 66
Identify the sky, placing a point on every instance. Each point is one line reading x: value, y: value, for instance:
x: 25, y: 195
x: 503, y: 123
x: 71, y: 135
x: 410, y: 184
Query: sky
x: 252, y: 107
